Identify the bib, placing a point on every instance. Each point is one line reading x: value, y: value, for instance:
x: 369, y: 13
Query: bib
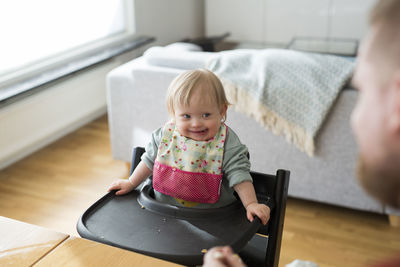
x: 189, y: 169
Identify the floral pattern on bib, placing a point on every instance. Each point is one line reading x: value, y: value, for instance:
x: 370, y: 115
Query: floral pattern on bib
x: 187, y: 169
x: 186, y: 154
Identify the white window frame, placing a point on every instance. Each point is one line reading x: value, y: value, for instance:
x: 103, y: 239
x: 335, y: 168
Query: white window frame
x: 63, y: 58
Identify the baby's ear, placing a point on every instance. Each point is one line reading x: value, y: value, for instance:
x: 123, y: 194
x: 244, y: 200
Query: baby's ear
x: 171, y: 119
x: 224, y: 109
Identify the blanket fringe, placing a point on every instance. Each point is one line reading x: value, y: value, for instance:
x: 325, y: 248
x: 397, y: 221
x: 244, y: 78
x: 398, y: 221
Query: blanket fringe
x: 267, y: 118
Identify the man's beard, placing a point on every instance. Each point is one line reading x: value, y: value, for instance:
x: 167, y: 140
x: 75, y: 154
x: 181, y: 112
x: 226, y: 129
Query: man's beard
x: 381, y: 182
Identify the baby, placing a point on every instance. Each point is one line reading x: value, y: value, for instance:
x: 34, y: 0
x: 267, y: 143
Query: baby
x: 196, y: 160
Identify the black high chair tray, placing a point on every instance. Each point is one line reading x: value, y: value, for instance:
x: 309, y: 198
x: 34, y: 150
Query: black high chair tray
x: 137, y: 222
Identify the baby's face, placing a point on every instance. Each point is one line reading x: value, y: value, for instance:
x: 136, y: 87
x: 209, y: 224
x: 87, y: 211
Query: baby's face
x: 201, y: 119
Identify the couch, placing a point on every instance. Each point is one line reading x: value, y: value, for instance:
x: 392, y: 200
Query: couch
x: 136, y: 93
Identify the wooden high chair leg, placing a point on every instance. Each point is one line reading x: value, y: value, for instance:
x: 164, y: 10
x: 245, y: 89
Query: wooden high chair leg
x: 394, y: 220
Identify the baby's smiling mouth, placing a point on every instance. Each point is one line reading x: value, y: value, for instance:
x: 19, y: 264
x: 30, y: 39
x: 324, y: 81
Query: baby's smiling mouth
x: 199, y: 132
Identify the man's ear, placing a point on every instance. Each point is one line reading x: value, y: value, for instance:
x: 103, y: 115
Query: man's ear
x: 394, y: 119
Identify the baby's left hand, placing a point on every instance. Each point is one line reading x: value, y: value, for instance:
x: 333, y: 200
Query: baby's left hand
x: 260, y: 210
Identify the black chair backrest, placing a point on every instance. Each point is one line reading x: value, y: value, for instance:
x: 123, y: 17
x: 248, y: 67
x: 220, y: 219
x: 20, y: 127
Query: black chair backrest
x: 137, y: 153
x: 274, y: 187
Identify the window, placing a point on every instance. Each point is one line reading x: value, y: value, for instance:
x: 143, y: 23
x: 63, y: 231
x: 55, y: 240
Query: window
x: 43, y: 34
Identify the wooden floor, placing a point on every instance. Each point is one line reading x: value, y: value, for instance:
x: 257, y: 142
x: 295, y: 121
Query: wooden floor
x: 54, y: 186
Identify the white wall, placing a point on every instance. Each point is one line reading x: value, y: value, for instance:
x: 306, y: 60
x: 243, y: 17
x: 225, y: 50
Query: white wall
x: 34, y: 122
x: 278, y: 21
x: 244, y: 19
x: 170, y: 20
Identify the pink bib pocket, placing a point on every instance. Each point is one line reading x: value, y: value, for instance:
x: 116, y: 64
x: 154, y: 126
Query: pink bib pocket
x: 190, y: 186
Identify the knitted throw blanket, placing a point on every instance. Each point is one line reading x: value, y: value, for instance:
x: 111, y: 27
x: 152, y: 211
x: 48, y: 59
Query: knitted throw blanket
x: 288, y: 92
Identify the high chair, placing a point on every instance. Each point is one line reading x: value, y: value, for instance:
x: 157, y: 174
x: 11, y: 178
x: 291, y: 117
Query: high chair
x: 137, y: 222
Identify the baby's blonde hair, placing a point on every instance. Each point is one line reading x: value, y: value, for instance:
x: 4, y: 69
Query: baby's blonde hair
x: 181, y: 88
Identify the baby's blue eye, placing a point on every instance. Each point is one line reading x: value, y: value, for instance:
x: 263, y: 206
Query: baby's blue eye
x: 206, y: 115
x: 186, y: 116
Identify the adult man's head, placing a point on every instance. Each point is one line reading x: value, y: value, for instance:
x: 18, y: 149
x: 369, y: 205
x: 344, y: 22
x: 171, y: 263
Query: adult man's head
x: 376, y: 118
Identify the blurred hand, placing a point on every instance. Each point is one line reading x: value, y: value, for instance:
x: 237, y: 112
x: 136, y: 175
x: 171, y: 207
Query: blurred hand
x: 222, y: 257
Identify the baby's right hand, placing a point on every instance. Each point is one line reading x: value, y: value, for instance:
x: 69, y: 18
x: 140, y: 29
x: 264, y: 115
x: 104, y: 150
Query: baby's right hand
x: 122, y: 186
